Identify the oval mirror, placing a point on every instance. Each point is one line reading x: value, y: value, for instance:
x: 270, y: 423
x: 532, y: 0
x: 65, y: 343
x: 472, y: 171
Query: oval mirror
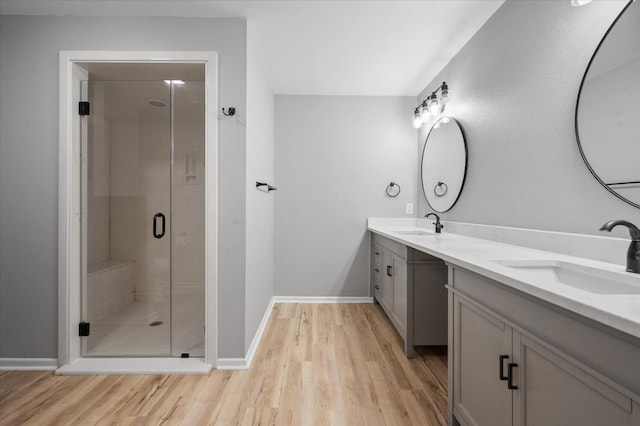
x: 608, y: 109
x: 444, y: 164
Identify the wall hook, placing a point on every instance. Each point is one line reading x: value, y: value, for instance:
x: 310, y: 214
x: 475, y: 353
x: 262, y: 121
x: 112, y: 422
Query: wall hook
x: 231, y: 113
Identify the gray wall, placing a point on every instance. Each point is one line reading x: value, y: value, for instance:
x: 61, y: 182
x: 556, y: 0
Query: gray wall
x: 334, y: 157
x: 260, y: 205
x: 514, y: 89
x: 29, y: 49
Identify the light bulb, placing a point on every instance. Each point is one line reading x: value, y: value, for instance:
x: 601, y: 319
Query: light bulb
x: 580, y: 2
x: 444, y: 93
x: 434, y: 106
x: 425, y: 115
x: 417, y: 121
x: 444, y: 96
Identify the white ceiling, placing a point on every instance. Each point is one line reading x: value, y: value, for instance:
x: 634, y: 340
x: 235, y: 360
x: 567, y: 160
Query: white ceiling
x: 383, y: 47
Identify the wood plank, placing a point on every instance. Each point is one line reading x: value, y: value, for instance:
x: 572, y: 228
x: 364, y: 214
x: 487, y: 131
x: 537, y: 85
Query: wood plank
x: 15, y: 381
x: 208, y: 399
x: 317, y: 364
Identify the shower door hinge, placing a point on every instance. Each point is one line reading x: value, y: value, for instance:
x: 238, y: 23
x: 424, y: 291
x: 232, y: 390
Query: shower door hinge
x: 83, y: 329
x: 83, y: 108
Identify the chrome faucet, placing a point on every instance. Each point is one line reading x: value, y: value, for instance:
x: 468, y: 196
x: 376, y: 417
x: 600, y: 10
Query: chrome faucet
x: 633, y: 254
x: 437, y: 223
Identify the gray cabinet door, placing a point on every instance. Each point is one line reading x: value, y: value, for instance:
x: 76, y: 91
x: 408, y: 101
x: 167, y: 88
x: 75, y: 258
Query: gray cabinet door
x: 480, y: 396
x: 400, y: 293
x: 552, y: 391
x: 387, y: 282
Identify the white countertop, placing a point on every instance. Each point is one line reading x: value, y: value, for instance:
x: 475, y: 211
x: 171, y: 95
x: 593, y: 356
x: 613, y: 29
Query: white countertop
x: 618, y: 311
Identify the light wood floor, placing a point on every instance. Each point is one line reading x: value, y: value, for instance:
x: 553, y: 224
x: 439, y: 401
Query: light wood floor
x: 318, y: 364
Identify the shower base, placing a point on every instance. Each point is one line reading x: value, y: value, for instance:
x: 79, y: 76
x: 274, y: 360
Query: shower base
x: 141, y: 329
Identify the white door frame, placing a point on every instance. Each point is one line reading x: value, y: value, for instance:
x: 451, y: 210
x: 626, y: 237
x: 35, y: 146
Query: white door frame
x: 69, y: 177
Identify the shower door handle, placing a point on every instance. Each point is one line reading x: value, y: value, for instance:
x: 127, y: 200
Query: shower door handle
x: 155, y: 225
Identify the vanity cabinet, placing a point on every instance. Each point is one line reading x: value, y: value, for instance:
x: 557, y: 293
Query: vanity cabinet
x: 410, y: 287
x: 510, y: 362
x: 390, y: 285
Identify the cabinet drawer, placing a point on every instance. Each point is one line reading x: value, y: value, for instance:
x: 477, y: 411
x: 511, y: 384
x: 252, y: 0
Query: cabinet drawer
x: 377, y: 257
x: 376, y: 265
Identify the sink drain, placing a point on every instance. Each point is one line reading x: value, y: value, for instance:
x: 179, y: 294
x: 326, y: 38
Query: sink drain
x: 155, y: 323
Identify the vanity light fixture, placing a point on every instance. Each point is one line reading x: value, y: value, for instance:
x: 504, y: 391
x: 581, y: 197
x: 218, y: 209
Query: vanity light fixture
x: 175, y: 82
x: 433, y: 105
x: 425, y: 114
x: 417, y: 121
x: 577, y: 3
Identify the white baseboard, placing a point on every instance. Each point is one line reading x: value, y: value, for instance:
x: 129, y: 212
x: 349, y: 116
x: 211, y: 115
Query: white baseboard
x: 245, y: 363
x: 28, y: 364
x: 258, y: 336
x: 136, y: 366
x: 304, y: 299
x: 232, y: 364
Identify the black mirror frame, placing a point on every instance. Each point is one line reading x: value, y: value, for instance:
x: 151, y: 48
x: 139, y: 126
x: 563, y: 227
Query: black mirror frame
x: 466, y: 163
x: 575, y: 122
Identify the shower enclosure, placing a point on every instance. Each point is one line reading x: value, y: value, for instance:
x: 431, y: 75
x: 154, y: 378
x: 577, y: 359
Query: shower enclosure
x: 143, y: 239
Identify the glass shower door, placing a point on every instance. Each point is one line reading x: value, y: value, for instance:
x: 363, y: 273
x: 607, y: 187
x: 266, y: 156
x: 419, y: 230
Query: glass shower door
x: 126, y: 194
x: 188, y: 220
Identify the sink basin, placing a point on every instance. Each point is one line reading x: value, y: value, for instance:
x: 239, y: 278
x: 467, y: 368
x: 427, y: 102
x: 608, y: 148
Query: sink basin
x: 414, y: 232
x: 582, y: 277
